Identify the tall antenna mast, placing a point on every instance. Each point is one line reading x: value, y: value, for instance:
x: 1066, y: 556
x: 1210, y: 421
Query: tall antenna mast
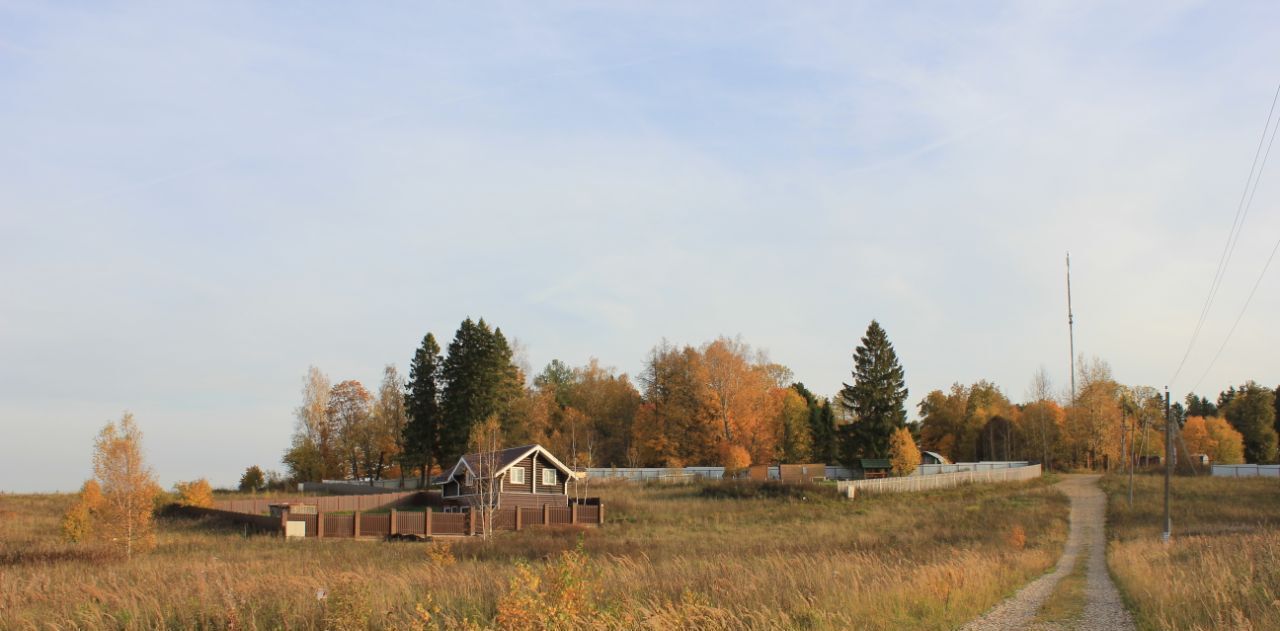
x: 1071, y: 331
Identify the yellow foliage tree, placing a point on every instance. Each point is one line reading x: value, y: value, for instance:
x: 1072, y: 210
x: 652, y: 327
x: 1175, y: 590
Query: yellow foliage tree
x: 734, y: 458
x: 128, y: 489
x: 77, y: 524
x: 904, y: 456
x: 1215, y: 438
x: 796, y: 441
x: 197, y: 493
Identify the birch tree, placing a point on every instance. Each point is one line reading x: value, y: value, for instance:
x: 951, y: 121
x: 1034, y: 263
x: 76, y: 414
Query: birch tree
x: 123, y: 519
x: 486, y: 442
x: 313, y: 454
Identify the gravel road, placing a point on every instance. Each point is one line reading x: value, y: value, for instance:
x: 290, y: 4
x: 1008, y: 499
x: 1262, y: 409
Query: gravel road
x: 1103, y: 608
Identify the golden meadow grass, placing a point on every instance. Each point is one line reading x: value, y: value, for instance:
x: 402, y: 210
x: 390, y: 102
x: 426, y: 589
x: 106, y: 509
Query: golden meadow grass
x: 668, y: 557
x: 1222, y: 569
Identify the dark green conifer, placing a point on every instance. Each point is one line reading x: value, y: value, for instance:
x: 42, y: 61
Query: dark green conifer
x: 876, y: 397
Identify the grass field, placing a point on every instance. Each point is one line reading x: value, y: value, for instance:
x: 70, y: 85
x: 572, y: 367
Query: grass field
x: 1222, y: 569
x: 668, y: 557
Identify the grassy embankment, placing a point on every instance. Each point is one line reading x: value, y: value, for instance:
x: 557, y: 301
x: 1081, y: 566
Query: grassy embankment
x: 668, y: 557
x: 1222, y: 569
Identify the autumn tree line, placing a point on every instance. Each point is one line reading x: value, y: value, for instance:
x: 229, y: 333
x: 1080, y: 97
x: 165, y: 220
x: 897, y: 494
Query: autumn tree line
x: 721, y: 403
x: 1107, y: 423
x: 725, y: 403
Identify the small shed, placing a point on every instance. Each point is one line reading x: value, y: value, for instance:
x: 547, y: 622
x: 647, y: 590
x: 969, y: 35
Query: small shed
x: 875, y: 467
x: 933, y: 457
x: 802, y: 473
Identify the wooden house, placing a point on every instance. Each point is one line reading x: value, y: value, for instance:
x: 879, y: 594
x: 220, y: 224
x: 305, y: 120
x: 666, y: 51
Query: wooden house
x: 525, y: 477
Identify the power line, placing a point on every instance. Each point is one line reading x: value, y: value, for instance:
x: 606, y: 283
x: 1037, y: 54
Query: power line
x: 1240, y: 315
x: 1237, y: 227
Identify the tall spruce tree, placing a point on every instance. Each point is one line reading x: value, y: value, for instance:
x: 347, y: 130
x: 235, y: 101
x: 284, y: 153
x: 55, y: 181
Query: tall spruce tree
x: 876, y: 397
x: 479, y: 381
x: 421, y: 439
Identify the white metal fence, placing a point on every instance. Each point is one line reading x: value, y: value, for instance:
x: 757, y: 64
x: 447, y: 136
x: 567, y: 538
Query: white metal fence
x: 937, y: 481
x: 709, y: 473
x: 832, y: 472
x: 960, y: 467
x: 1247, y: 470
x: 656, y: 473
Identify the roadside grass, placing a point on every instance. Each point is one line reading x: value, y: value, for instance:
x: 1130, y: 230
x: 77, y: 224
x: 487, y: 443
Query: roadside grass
x: 667, y: 557
x: 1222, y: 568
x: 1066, y: 604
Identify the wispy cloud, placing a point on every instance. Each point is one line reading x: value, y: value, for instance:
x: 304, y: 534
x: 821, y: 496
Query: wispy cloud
x: 202, y: 200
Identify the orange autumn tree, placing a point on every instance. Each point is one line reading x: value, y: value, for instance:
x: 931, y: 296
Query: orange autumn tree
x: 746, y: 408
x: 734, y: 459
x: 123, y: 520
x: 676, y: 425
x: 696, y: 400
x: 1215, y: 438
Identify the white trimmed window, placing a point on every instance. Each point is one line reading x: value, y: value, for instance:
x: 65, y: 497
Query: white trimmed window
x: 549, y: 477
x: 517, y: 476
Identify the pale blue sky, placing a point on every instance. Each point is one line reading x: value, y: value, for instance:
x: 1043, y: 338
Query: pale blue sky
x: 198, y: 201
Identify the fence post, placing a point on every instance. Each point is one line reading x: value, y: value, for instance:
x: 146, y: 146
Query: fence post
x: 355, y: 526
x: 519, y: 523
x: 471, y: 522
x: 426, y: 518
x: 319, y: 525
x: 284, y: 523
x: 573, y: 514
x: 392, y: 526
x: 546, y: 514
x: 600, y: 514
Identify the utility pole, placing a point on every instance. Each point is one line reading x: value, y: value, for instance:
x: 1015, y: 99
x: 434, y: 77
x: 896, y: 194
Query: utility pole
x: 1168, y: 465
x: 1071, y: 331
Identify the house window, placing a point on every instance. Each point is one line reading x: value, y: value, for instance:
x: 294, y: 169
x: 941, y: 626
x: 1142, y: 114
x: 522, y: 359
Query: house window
x: 470, y: 479
x: 517, y: 476
x: 549, y: 477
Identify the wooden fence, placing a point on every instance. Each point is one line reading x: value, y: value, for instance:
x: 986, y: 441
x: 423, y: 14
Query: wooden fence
x: 328, y: 504
x: 938, y: 481
x: 432, y: 523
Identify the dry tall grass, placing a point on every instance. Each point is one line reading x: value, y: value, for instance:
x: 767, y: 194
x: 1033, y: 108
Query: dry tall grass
x: 1222, y: 568
x: 668, y: 557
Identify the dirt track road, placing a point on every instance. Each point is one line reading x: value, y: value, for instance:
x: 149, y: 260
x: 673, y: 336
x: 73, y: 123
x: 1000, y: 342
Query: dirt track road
x: 1103, y: 608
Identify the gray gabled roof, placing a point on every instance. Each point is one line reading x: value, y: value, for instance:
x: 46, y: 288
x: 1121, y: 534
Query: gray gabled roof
x: 501, y: 461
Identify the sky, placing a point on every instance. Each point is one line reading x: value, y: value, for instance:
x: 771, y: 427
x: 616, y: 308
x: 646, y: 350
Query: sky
x: 198, y: 201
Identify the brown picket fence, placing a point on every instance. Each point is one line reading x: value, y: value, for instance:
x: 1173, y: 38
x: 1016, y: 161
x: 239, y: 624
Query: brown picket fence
x: 434, y: 523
